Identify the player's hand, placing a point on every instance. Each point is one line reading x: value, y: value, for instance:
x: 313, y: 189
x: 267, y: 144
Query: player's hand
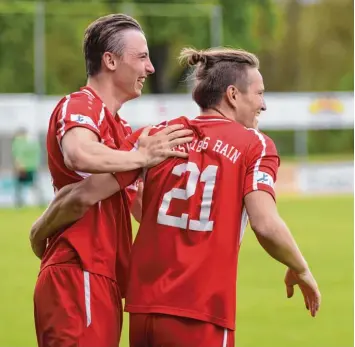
x: 308, y: 286
x: 158, y: 147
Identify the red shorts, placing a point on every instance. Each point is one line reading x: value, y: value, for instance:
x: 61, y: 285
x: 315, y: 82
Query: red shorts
x: 160, y: 330
x: 73, y: 307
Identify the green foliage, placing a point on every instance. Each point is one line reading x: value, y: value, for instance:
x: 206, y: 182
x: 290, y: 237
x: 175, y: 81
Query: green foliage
x: 284, y: 141
x: 301, y: 47
x: 248, y: 23
x: 331, y: 141
x: 16, y: 57
x: 314, y: 50
x: 320, y: 142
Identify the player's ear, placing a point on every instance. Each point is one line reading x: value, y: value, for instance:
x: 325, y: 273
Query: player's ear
x: 232, y: 95
x: 109, y: 61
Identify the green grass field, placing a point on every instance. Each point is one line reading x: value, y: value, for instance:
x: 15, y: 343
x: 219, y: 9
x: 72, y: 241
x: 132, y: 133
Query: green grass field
x: 324, y: 230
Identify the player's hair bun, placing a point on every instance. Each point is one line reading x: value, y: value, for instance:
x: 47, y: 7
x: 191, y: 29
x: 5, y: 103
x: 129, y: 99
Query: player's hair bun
x: 191, y: 57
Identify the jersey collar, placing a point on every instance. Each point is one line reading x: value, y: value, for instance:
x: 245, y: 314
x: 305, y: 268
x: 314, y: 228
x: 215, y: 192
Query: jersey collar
x: 212, y: 117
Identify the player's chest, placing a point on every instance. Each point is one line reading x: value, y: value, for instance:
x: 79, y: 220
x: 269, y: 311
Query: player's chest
x: 113, y: 132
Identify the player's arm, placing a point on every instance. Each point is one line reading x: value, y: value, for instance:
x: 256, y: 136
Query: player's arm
x: 63, y: 210
x: 72, y: 201
x: 269, y: 228
x: 81, y: 128
x: 277, y: 240
x: 70, y: 204
x: 272, y: 232
x: 83, y: 152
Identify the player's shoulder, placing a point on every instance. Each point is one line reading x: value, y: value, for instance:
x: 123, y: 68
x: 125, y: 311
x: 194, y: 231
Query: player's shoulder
x: 240, y: 134
x: 257, y: 135
x: 180, y: 120
x: 258, y: 139
x: 158, y: 127
x: 84, y: 97
x: 82, y: 94
x: 81, y: 103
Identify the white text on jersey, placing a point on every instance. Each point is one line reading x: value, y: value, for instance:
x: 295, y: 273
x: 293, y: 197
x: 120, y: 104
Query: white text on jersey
x: 219, y: 147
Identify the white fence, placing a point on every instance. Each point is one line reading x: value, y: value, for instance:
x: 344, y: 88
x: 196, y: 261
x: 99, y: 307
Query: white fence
x: 284, y: 111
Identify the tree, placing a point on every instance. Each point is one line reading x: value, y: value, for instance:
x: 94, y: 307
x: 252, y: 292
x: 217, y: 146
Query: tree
x: 16, y: 48
x: 302, y: 46
x: 169, y: 27
x: 327, y: 46
x: 314, y: 50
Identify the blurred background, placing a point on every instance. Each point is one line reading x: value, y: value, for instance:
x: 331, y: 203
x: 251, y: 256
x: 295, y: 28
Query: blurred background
x: 306, y: 50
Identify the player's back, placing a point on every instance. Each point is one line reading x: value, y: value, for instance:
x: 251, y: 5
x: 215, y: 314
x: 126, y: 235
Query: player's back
x: 184, y: 258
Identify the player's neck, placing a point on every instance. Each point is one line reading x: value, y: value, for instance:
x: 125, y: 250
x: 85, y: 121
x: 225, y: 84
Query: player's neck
x: 218, y: 111
x: 106, y: 92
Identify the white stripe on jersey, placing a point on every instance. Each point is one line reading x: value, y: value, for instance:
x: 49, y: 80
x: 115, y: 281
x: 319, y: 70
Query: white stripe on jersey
x: 62, y: 128
x: 225, y: 338
x: 83, y: 174
x: 87, y: 296
x: 102, y: 114
x: 133, y: 186
x: 64, y: 113
x: 243, y: 224
x: 87, y: 92
x: 262, y: 154
x: 126, y: 125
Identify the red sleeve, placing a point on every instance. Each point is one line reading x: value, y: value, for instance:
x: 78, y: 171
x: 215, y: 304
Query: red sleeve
x: 126, y: 178
x: 78, y: 112
x: 262, y: 165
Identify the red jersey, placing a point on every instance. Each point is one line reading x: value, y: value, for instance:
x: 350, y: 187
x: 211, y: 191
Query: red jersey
x: 184, y: 259
x: 101, y: 241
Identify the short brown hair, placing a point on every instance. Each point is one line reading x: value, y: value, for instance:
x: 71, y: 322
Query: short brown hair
x: 105, y: 35
x: 216, y: 69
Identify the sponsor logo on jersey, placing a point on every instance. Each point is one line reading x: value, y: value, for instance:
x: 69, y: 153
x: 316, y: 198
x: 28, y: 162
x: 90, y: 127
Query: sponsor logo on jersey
x: 79, y: 118
x: 264, y: 178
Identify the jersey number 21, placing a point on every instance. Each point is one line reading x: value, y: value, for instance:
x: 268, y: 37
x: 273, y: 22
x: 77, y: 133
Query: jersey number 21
x: 208, y: 176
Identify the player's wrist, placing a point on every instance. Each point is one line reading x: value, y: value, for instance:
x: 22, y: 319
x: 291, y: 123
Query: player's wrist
x: 142, y: 158
x: 301, y: 268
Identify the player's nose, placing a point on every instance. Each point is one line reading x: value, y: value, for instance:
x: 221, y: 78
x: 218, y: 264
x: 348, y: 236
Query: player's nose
x: 263, y: 106
x: 150, y: 68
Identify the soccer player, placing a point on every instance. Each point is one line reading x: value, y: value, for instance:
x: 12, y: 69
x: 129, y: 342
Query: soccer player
x: 182, y: 282
x: 26, y: 154
x: 83, y: 271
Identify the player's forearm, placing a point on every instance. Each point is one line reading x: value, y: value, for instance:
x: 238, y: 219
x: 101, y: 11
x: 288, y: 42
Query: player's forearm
x: 63, y: 210
x: 72, y: 201
x: 276, y: 239
x: 97, y: 158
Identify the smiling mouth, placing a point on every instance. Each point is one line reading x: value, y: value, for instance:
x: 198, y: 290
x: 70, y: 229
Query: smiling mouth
x: 141, y: 82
